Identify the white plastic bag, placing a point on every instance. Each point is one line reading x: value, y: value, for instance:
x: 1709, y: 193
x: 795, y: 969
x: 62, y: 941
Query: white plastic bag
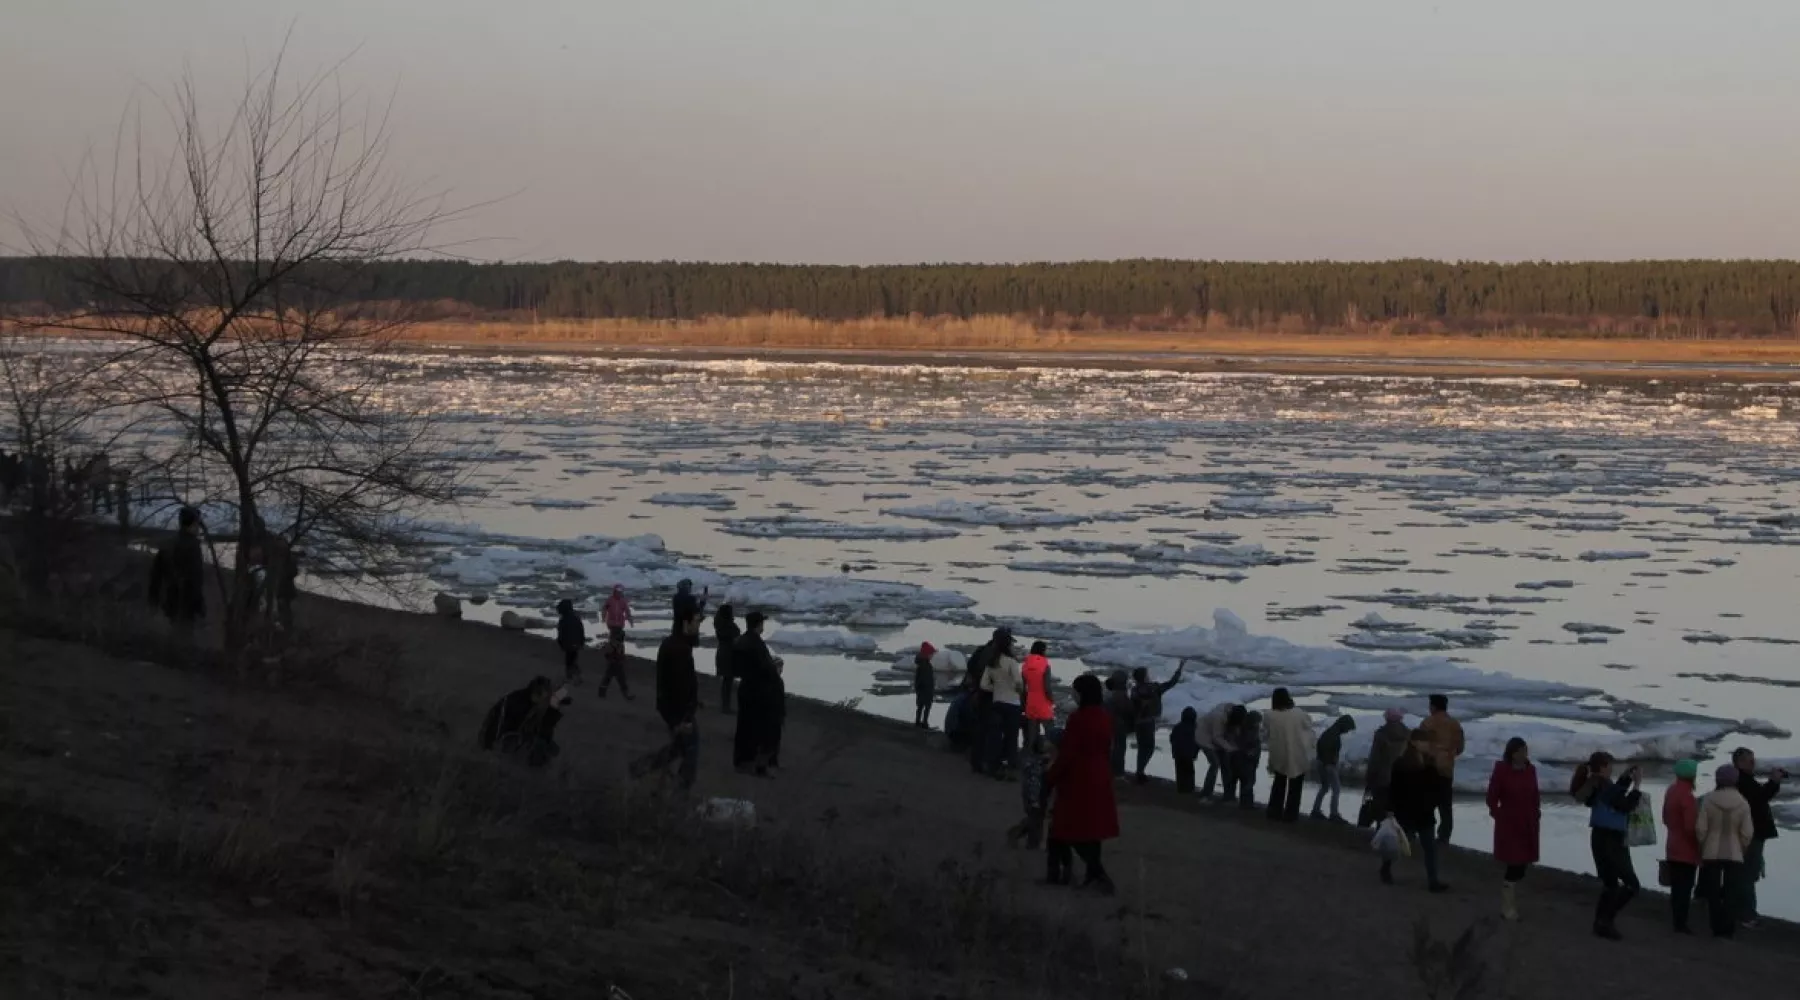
x: 1389, y: 840
x: 1641, y: 832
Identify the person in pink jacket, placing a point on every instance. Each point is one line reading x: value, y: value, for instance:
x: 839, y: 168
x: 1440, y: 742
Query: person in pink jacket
x: 1039, y: 710
x: 1681, y: 816
x: 616, y: 613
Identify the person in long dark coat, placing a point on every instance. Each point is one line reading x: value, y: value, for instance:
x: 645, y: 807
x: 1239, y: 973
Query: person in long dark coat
x: 1085, y: 813
x: 678, y: 702
x: 758, y: 697
x: 725, y: 628
x: 178, y: 574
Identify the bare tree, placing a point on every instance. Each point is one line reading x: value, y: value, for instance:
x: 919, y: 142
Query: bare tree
x: 233, y: 267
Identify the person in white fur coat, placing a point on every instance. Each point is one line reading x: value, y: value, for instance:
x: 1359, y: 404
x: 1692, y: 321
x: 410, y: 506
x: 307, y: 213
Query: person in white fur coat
x: 1289, y: 739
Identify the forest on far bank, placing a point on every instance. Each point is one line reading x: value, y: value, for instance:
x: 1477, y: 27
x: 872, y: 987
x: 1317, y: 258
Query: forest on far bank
x: 1676, y: 299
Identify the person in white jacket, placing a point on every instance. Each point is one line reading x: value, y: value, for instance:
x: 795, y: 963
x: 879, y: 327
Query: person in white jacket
x: 1725, y: 829
x: 1289, y: 739
x: 1003, y: 678
x: 1214, y: 745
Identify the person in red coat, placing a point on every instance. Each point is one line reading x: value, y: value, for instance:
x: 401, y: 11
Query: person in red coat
x: 1512, y: 800
x: 1085, y: 813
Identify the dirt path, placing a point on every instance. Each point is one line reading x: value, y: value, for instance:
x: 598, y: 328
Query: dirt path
x: 1238, y: 905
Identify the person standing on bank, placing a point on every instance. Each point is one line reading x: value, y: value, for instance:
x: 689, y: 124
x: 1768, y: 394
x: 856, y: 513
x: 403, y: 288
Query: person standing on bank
x: 1084, y: 813
x: 1040, y: 711
x: 725, y: 629
x: 1610, y: 804
x: 678, y: 702
x: 1119, y: 704
x: 759, y: 699
x: 924, y: 685
x: 571, y: 635
x: 1288, y: 735
x: 616, y: 614
x: 686, y: 605
x: 1446, y: 745
x: 1413, y: 791
x: 1330, y: 751
x: 1725, y: 830
x: 1008, y: 688
x: 1760, y: 795
x: 1216, y: 747
x: 1681, y: 817
x: 1514, y: 802
x: 1146, y: 712
x: 1384, y: 752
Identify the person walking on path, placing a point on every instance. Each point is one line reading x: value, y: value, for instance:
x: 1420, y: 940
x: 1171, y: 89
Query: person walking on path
x: 1447, y: 745
x: 1288, y: 735
x: 1040, y: 711
x: 1725, y: 829
x: 616, y: 613
x: 1760, y: 795
x: 924, y: 684
x: 678, y: 702
x: 759, y: 698
x: 1216, y: 747
x: 1385, y: 749
x: 1329, y: 751
x: 1085, y: 813
x: 1118, y: 705
x: 1610, y: 803
x: 1515, y: 803
x: 1681, y: 816
x: 571, y: 635
x: 1008, y: 688
x: 1146, y: 712
x: 726, y: 631
x: 1184, y: 745
x: 1414, y: 788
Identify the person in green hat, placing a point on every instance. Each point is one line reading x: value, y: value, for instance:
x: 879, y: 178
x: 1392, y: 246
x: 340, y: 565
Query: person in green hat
x: 1680, y: 814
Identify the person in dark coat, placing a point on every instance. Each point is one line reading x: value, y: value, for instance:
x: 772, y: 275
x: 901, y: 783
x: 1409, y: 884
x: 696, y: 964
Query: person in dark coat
x: 1085, y: 813
x: 1415, y: 789
x: 1329, y: 751
x: 686, y: 605
x: 1246, y: 760
x: 1184, y: 743
x: 678, y: 702
x: 1146, y: 712
x: 571, y: 635
x: 178, y: 574
x: 981, y: 705
x: 1760, y: 795
x: 1385, y: 749
x: 759, y: 698
x: 525, y: 720
x: 956, y: 721
x: 1118, y: 702
x: 726, y: 631
x: 924, y: 685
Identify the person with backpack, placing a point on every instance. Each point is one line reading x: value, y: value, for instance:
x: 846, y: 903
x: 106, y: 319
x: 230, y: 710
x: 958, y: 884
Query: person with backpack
x: 1610, y: 804
x: 1725, y: 828
x: 1146, y: 712
x: 1681, y: 815
x: 1514, y: 803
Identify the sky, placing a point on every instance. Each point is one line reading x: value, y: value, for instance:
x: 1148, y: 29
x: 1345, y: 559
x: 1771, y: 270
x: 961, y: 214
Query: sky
x: 858, y: 131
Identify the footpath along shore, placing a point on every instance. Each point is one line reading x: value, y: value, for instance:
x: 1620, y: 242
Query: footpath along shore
x: 1214, y: 891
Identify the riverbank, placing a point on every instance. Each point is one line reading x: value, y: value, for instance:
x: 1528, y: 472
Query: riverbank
x: 332, y: 876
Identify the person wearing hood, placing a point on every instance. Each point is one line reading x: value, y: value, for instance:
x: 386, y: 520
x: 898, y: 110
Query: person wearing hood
x: 1725, y: 828
x: 726, y: 631
x: 1681, y: 817
x: 1118, y: 704
x: 1146, y: 712
x: 1184, y: 746
x: 571, y: 635
x: 1040, y: 711
x: 759, y: 698
x: 1215, y: 746
x: 1330, y: 751
x: 1610, y: 803
x: 1288, y: 733
x: 678, y: 702
x: 686, y: 605
x: 924, y: 685
x: 1384, y: 751
x: 616, y: 613
x: 1514, y: 803
x: 1760, y: 795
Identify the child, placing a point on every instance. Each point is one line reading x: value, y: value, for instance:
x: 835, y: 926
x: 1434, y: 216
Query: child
x: 571, y: 635
x: 924, y: 685
x: 1248, y: 740
x: 1184, y: 743
x: 1033, y: 771
x: 615, y: 665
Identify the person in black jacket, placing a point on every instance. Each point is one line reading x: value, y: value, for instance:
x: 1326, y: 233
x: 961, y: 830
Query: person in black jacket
x: 1760, y: 795
x: 571, y: 635
x: 924, y: 685
x: 525, y: 720
x: 725, y: 629
x: 1414, y: 792
x: 759, y: 698
x: 686, y: 605
x: 678, y: 702
x: 178, y: 574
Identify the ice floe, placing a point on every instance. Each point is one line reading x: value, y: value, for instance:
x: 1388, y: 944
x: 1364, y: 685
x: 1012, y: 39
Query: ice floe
x: 842, y: 640
x: 785, y: 526
x: 710, y: 501
x: 968, y: 512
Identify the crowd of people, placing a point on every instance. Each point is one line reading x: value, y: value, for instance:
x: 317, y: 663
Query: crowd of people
x: 1002, y: 717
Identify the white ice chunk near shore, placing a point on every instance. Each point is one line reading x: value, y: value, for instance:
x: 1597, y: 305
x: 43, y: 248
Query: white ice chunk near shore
x: 789, y: 637
x: 966, y: 512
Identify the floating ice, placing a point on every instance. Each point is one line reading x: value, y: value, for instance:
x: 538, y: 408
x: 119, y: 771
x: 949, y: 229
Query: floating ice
x: 1264, y: 506
x: 1612, y: 555
x: 710, y: 501
x: 554, y: 503
x: 789, y: 637
x: 839, y: 596
x: 1211, y: 555
x: 1584, y: 628
x: 1395, y: 641
x: 1108, y: 568
x: 966, y: 512
x: 1763, y: 727
x: 786, y: 526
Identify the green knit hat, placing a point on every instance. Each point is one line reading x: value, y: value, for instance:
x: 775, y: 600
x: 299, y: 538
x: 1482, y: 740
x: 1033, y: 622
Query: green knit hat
x: 1688, y: 769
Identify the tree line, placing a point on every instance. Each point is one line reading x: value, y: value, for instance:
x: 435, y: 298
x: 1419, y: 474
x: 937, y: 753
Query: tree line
x: 1688, y: 298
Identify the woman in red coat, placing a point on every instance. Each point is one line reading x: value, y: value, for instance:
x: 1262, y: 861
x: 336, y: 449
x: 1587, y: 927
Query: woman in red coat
x: 1512, y: 800
x: 1081, y: 780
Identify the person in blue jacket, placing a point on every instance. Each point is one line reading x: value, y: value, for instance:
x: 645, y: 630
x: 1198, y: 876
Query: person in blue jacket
x: 1610, y: 802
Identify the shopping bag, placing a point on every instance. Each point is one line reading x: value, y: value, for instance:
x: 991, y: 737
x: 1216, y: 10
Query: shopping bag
x: 1664, y: 877
x: 1642, y: 829
x: 1387, y: 839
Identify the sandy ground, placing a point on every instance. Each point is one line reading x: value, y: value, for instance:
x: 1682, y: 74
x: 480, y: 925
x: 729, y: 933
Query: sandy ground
x: 1243, y: 907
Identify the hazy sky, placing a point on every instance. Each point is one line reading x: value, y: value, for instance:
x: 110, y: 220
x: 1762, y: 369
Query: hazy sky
x: 857, y: 131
